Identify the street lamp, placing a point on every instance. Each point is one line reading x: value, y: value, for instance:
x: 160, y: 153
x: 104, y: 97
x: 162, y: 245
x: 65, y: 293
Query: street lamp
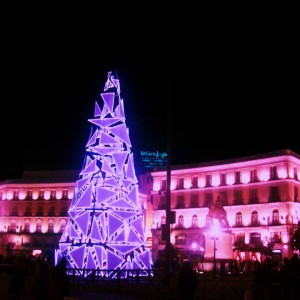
x: 215, y: 231
x: 214, y: 238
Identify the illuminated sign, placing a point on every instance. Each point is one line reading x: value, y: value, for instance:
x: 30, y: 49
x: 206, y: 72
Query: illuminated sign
x: 153, y: 159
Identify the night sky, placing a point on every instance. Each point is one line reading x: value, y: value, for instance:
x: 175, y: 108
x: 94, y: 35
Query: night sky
x: 233, y: 89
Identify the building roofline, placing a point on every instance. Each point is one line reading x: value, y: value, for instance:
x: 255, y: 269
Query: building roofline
x: 233, y: 160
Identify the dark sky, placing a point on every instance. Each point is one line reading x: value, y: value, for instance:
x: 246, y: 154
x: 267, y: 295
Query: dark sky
x: 233, y: 88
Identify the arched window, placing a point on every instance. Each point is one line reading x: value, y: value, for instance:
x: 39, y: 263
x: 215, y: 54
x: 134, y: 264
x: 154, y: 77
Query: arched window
x: 275, y: 217
x: 194, y: 221
x: 238, y: 219
x: 39, y: 224
x: 181, y: 221
x: 27, y: 225
x: 51, y: 226
x: 254, y: 218
x: 63, y: 224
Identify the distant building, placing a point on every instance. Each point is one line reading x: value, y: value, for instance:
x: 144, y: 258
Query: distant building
x: 34, y: 211
x: 260, y: 196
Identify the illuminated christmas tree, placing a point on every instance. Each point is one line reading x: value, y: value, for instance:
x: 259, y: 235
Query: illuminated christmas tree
x: 106, y: 222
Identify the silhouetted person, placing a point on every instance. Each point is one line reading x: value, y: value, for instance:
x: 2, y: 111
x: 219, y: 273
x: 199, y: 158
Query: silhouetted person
x: 187, y: 281
x: 60, y: 283
x: 19, y: 277
x: 295, y: 276
x: 285, y: 278
x: 262, y: 277
x: 41, y: 276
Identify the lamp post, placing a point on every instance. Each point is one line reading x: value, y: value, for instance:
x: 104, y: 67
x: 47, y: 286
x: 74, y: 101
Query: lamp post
x: 214, y: 238
x: 214, y: 231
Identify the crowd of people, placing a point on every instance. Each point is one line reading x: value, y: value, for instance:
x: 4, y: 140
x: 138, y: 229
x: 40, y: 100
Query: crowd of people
x: 36, y: 277
x: 271, y: 281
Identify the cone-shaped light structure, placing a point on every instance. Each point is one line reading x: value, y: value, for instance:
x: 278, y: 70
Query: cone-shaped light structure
x: 106, y: 222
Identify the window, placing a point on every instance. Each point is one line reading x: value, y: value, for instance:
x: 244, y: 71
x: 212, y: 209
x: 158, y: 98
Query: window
x: 275, y: 217
x: 13, y: 225
x: 64, y: 210
x: 240, y: 237
x: 254, y: 218
x: 28, y: 210
x: 274, y: 195
x: 53, y: 195
x: 208, y: 180
x: 237, y: 177
x: 16, y: 195
x: 180, y: 240
x: 27, y: 225
x: 194, y: 221
x: 163, y: 220
x: 180, y: 202
x: 223, y: 179
x: 51, y: 211
x: 238, y: 219
x: 253, y: 175
x: 223, y: 197
x: 39, y: 210
x: 29, y: 195
x: 63, y: 224
x: 180, y: 221
x: 276, y: 237
x: 65, y: 195
x: 194, y: 201
x: 237, y: 197
x: 194, y: 181
x: 39, y: 225
x: 41, y: 195
x: 162, y: 202
x: 296, y: 194
x: 208, y: 200
x: 180, y: 182
x: 164, y: 185
x: 255, y: 238
x: 51, y: 226
x: 273, y: 173
x: 253, y: 198
x: 14, y: 211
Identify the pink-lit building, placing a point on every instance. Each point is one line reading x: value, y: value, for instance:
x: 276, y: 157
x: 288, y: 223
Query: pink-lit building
x: 34, y: 210
x: 260, y: 194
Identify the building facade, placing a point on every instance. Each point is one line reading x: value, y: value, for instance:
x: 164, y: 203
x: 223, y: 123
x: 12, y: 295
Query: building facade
x: 259, y: 194
x: 34, y: 211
